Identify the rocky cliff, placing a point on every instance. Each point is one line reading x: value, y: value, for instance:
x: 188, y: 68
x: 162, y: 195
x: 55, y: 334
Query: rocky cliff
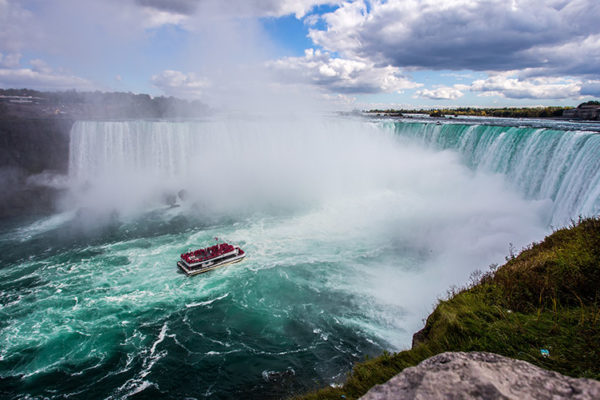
x: 33, y: 151
x: 35, y: 145
x: 480, y: 375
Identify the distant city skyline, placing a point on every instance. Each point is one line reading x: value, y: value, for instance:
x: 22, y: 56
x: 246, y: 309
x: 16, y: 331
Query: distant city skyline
x: 348, y: 54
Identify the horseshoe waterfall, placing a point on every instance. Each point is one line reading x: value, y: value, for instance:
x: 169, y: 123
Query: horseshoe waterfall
x: 352, y: 229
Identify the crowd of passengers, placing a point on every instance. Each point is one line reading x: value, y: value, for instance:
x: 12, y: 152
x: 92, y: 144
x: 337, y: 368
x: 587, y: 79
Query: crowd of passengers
x: 206, y: 254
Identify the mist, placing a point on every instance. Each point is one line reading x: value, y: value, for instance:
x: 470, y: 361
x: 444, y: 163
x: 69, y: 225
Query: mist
x: 344, y: 183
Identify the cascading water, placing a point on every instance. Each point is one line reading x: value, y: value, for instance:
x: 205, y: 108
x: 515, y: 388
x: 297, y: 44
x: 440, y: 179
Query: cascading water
x: 351, y: 232
x: 542, y: 163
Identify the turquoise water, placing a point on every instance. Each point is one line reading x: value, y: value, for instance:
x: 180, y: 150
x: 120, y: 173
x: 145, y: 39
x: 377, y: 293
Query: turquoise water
x: 351, y: 231
x: 109, y: 315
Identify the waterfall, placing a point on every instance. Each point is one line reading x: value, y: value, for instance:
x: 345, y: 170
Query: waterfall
x: 542, y: 163
x: 224, y: 164
x: 301, y: 158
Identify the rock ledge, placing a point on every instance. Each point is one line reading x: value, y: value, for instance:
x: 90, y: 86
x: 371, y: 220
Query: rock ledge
x: 479, y: 375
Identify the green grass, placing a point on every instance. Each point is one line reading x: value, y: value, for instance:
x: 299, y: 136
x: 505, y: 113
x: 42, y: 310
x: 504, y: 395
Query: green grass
x: 546, y: 297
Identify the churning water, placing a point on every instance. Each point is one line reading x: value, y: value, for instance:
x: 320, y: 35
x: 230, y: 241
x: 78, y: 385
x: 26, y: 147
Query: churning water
x: 352, y: 229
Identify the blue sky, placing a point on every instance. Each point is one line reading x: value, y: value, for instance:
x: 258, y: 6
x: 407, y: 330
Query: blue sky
x: 352, y: 54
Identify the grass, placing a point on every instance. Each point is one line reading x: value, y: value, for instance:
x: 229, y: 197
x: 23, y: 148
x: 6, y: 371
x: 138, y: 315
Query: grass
x: 547, y: 297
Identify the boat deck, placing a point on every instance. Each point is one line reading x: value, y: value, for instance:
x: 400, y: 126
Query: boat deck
x: 207, y: 259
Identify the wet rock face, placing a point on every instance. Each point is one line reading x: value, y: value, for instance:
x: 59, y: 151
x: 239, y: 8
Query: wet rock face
x: 32, y: 151
x: 479, y: 375
x: 35, y: 145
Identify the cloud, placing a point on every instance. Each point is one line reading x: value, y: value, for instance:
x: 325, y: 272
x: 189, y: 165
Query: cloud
x: 508, y: 86
x: 441, y: 93
x: 156, y: 18
x: 240, y: 8
x: 591, y: 88
x: 10, y: 60
x: 278, y: 8
x: 480, y: 35
x: 174, y: 6
x: 341, y: 75
x: 40, y: 66
x: 179, y: 84
x: 579, y: 57
x: 44, y: 79
x: 16, y: 26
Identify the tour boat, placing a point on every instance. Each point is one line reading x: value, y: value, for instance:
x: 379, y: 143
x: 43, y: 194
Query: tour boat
x: 203, y: 260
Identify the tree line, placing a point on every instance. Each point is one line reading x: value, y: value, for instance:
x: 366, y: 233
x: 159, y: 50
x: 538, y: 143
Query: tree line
x: 506, y: 112
x: 105, y: 104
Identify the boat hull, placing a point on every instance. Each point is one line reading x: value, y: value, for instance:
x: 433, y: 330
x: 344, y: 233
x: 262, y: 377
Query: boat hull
x: 195, y: 271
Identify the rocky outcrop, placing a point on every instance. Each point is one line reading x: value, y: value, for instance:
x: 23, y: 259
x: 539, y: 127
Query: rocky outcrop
x: 479, y: 375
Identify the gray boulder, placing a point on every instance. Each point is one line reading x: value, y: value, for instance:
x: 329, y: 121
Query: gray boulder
x: 479, y: 375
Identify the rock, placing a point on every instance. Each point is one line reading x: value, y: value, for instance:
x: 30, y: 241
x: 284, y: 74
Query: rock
x: 35, y: 145
x: 34, y: 155
x: 418, y: 338
x: 479, y: 375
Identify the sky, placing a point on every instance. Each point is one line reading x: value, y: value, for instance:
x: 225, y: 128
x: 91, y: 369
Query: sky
x: 349, y: 54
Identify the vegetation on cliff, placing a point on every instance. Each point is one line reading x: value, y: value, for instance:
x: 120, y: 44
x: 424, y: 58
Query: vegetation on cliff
x: 547, y: 297
x: 507, y: 112
x: 28, y: 103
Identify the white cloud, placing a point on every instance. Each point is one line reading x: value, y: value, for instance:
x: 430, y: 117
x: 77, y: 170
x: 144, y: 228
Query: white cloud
x: 311, y: 20
x: 40, y: 66
x: 341, y: 75
x: 279, y: 8
x: 10, y: 60
x: 509, y: 86
x: 441, y: 93
x: 156, y: 18
x: 42, y: 80
x: 480, y: 35
x: 16, y: 26
x: 179, y: 84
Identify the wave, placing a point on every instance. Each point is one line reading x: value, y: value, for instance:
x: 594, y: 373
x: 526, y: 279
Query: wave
x: 207, y: 302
